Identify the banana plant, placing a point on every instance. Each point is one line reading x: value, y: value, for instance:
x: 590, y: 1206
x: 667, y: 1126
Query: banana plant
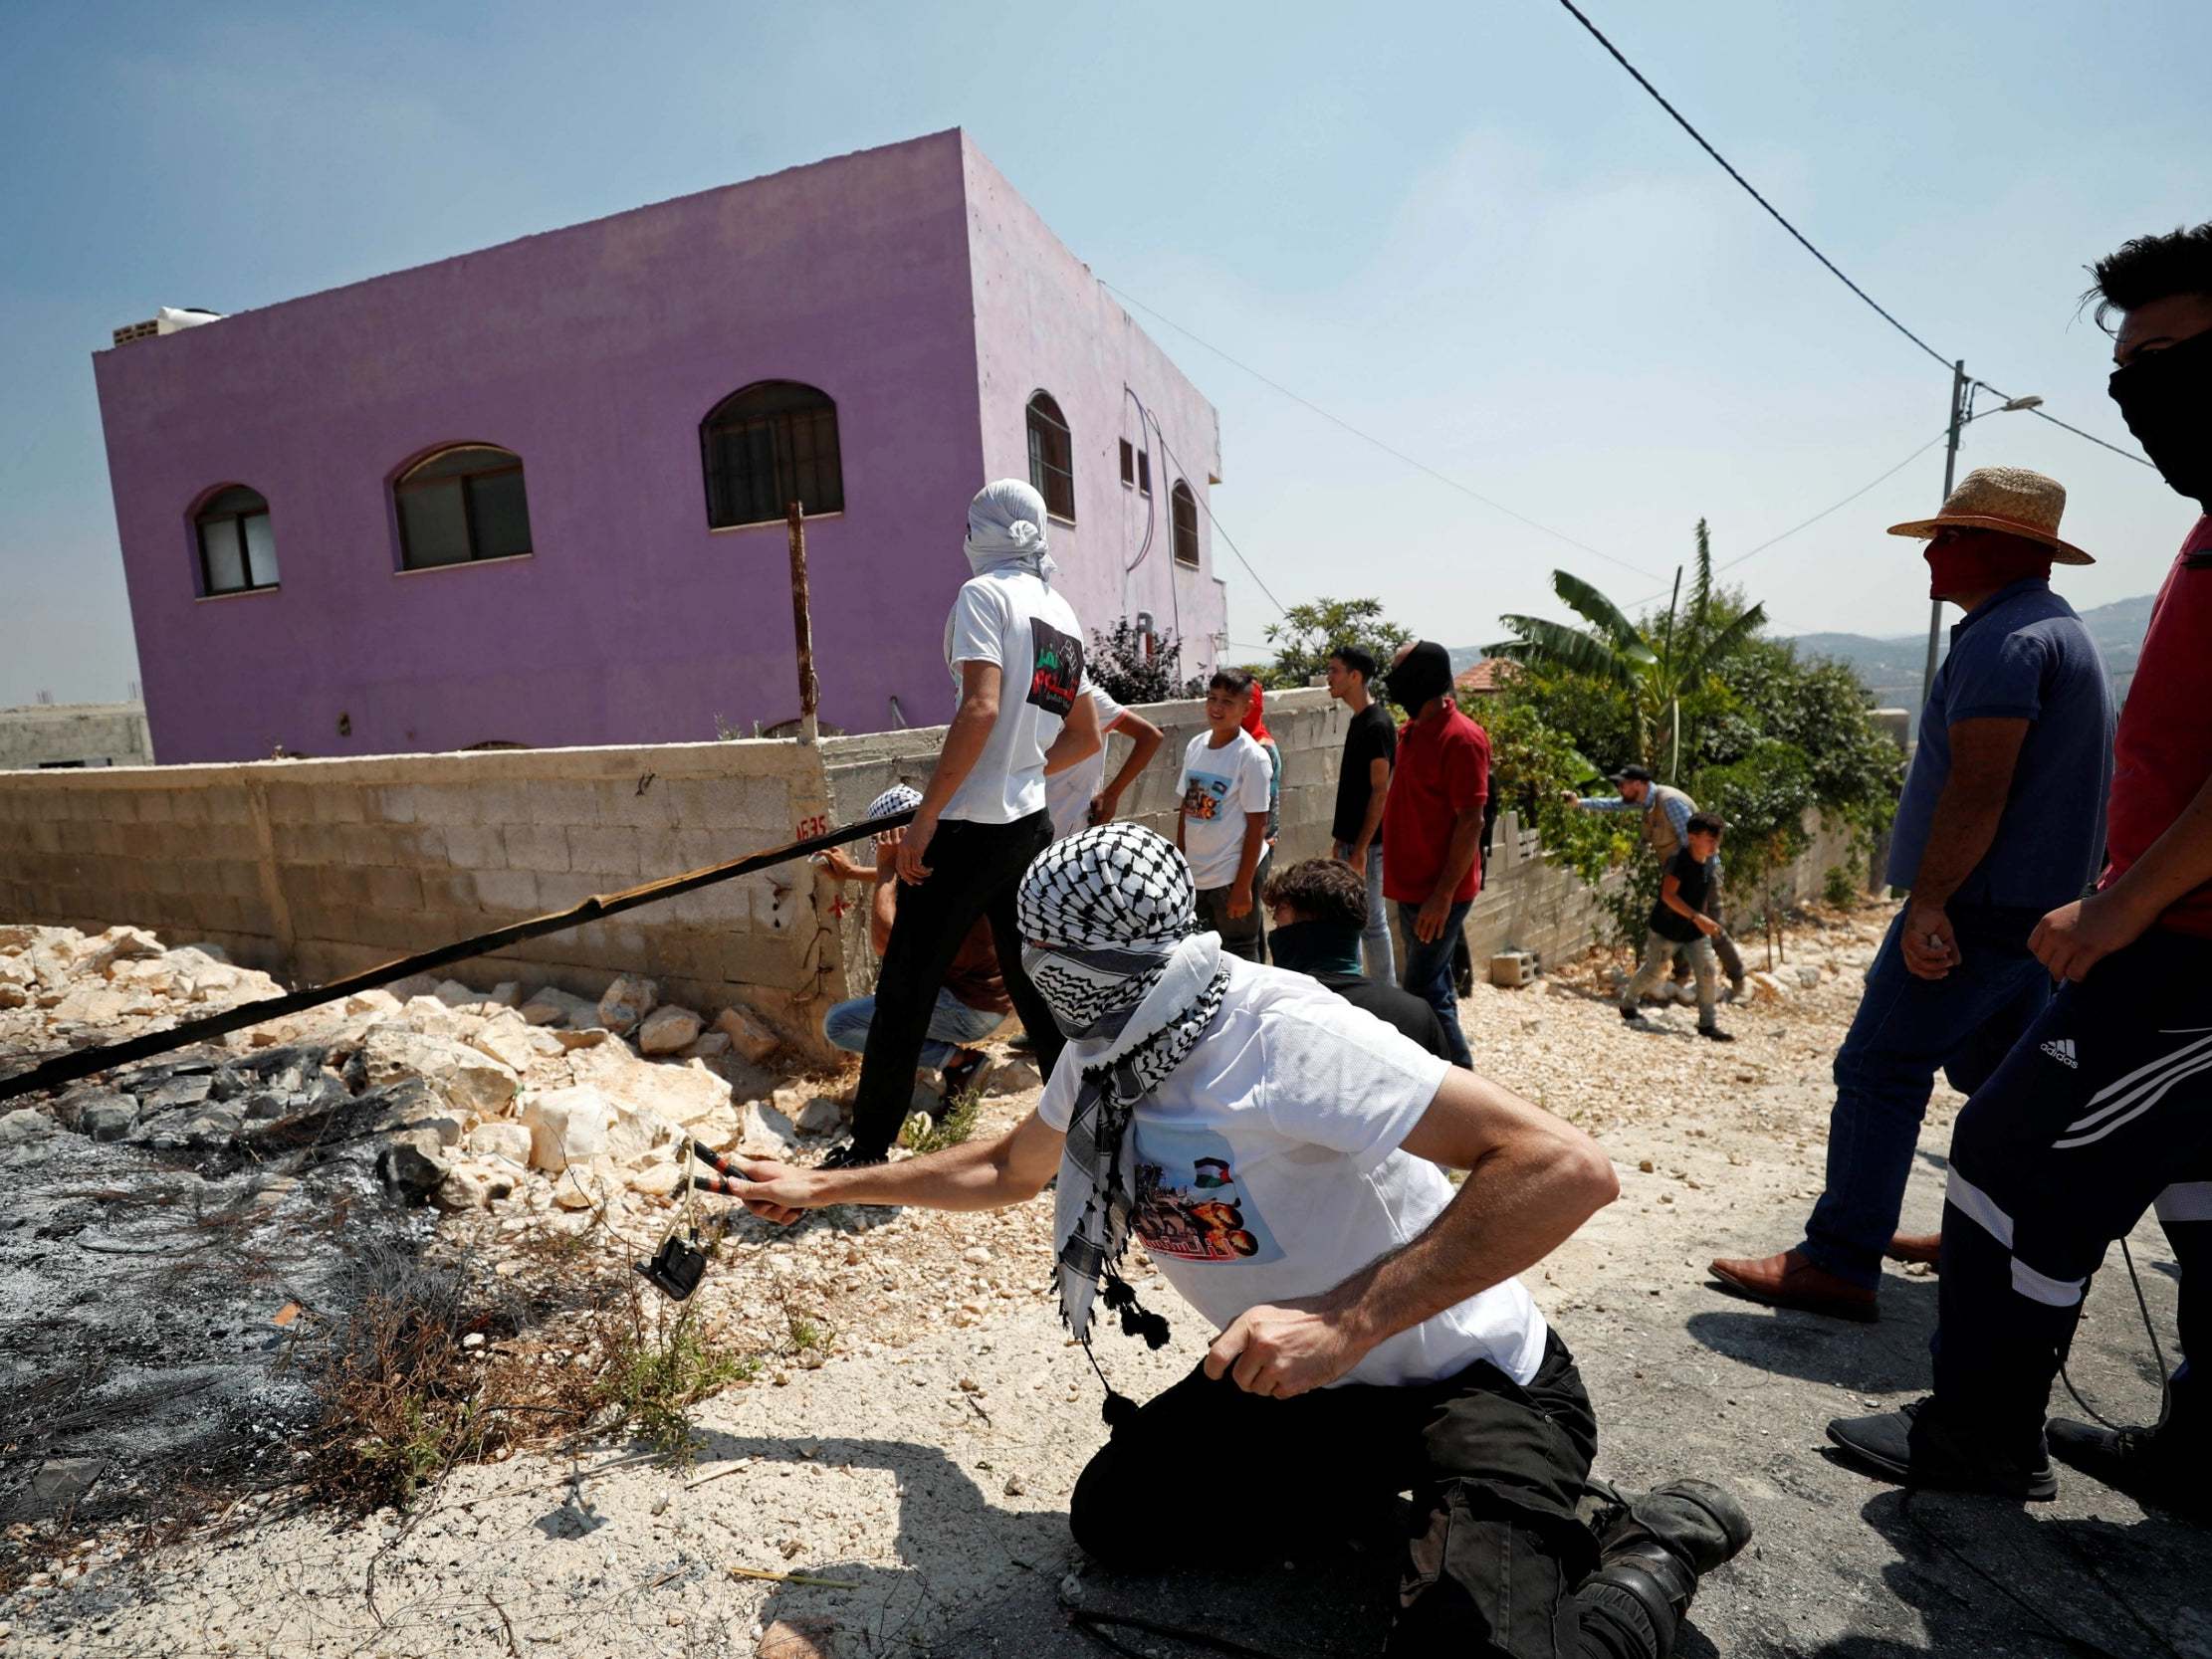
x: 1655, y: 667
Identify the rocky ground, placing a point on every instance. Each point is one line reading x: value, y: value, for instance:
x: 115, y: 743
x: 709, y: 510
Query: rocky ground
x: 903, y: 1445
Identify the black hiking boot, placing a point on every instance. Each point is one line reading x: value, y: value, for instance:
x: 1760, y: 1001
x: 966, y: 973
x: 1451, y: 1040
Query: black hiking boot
x: 849, y: 1157
x: 2153, y: 1466
x: 1921, y: 1447
x: 1713, y: 1034
x: 1656, y: 1548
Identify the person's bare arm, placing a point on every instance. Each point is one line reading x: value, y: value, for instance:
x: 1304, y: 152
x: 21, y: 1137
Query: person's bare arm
x: 1532, y: 1180
x: 964, y: 747
x: 1458, y: 858
x: 1077, y: 739
x: 1984, y: 753
x: 1378, y: 796
x: 1247, y: 863
x: 2076, y: 936
x: 1144, y: 743
x: 979, y: 1176
x: 884, y: 904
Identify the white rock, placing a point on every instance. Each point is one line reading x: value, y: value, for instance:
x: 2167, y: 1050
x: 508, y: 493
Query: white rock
x: 454, y: 994
x: 24, y: 1125
x: 682, y: 1093
x: 466, y: 1077
x: 819, y: 1115
x: 508, y: 1040
x: 765, y: 1131
x: 91, y: 1003
x: 627, y: 1001
x: 213, y: 952
x: 1766, y: 988
x: 1011, y: 1077
x: 717, y: 1130
x: 708, y: 1045
x: 551, y: 1005
x: 380, y: 1003
x: 506, y: 1137
x: 119, y: 944
x: 667, y: 1030
x: 656, y: 1180
x: 635, y: 1136
x: 508, y: 993
x: 566, y: 1125
x: 414, y: 985
x: 1809, y: 977
x: 462, y: 1189
x: 746, y: 1034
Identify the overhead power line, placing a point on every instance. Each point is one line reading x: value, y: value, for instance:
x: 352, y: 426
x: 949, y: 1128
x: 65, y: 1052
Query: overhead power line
x: 1799, y: 236
x: 1368, y: 438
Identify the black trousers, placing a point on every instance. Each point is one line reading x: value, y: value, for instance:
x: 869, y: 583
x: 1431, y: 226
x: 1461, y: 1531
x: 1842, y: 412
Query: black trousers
x: 976, y: 871
x: 2100, y: 1111
x: 1496, y: 1559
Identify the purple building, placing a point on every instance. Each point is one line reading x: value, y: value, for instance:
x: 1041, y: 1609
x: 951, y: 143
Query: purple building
x: 536, y: 494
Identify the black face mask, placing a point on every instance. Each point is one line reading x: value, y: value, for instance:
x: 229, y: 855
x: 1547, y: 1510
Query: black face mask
x: 1425, y: 674
x: 2165, y: 397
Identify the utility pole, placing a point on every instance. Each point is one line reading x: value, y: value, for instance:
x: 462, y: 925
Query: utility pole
x: 809, y: 688
x: 1959, y: 397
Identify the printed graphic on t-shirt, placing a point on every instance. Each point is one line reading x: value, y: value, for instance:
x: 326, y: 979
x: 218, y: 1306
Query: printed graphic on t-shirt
x: 1204, y: 794
x: 1190, y: 1205
x: 1056, y: 670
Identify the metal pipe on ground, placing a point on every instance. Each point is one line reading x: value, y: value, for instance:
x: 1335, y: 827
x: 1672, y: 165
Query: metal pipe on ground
x: 91, y: 1062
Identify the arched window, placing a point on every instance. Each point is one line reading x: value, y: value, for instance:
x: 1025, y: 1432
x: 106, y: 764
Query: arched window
x: 462, y: 503
x: 1183, y: 512
x: 770, y: 445
x: 238, y: 551
x: 1051, y: 457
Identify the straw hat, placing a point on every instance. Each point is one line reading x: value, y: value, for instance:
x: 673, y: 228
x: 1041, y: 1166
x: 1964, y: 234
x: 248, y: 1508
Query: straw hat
x: 2008, y: 499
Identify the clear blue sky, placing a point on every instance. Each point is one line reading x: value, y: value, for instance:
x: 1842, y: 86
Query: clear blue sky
x: 1461, y: 228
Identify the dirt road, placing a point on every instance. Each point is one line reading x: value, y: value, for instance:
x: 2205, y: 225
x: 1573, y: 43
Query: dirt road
x: 926, y: 1484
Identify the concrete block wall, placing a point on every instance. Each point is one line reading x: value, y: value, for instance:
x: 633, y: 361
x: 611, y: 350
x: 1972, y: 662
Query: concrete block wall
x: 316, y: 869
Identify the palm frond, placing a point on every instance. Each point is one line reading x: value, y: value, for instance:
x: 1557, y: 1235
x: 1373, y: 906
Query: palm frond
x: 1555, y: 645
x: 1587, y: 601
x: 1701, y: 590
x: 1720, y: 644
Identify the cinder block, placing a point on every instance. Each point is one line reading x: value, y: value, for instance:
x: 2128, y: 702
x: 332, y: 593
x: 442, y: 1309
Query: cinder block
x: 474, y: 847
x: 611, y: 848
x: 393, y: 890
x: 396, y: 805
x: 539, y: 847
x: 508, y: 890
x: 450, y: 890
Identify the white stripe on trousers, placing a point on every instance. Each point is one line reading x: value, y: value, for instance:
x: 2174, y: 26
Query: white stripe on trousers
x: 2144, y: 1104
x: 2141, y: 1075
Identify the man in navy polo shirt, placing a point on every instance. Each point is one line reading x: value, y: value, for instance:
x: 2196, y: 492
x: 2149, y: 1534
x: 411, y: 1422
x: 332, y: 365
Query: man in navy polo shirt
x: 2105, y: 1107
x: 2002, y: 821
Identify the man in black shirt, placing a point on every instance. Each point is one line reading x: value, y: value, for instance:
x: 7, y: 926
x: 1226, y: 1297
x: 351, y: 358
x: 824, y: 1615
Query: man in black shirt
x: 1319, y: 908
x: 1678, y: 921
x: 1362, y: 784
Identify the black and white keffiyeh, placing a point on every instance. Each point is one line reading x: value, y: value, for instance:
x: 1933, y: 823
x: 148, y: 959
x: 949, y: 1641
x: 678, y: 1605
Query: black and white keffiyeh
x: 900, y: 798
x: 1110, y: 915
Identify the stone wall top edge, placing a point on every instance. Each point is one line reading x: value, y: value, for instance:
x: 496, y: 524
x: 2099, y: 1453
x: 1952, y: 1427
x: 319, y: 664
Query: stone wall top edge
x: 743, y: 757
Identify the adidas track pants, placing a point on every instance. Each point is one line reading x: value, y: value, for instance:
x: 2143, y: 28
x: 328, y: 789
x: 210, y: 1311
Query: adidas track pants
x: 2100, y: 1111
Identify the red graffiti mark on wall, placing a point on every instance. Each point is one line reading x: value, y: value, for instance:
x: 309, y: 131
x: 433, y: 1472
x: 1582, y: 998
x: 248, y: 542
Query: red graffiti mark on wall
x: 808, y: 828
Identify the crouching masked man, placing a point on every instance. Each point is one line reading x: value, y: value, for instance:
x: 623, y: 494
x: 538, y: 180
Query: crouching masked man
x: 1278, y: 1153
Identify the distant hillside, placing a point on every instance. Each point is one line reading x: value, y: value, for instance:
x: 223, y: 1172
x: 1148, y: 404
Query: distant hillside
x: 1892, y: 667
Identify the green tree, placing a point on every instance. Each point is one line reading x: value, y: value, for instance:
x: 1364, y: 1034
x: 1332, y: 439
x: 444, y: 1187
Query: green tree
x: 1129, y: 668
x: 1307, y: 634
x: 1657, y: 664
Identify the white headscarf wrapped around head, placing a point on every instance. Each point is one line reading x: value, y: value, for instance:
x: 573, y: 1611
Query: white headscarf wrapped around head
x: 1005, y: 530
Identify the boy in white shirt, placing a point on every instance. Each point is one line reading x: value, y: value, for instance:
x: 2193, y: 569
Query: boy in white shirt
x: 1222, y: 826
x: 1016, y: 651
x: 1277, y: 1151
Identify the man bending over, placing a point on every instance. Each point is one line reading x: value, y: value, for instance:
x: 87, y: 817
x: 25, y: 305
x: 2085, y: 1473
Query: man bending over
x: 1278, y: 1153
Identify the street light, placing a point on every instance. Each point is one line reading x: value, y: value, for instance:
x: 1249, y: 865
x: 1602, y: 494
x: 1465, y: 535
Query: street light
x: 1962, y: 411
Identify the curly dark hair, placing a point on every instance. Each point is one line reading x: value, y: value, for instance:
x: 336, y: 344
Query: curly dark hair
x: 2151, y: 268
x: 1321, y: 888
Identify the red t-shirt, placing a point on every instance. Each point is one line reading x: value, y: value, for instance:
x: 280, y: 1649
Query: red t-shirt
x: 2162, y: 752
x: 1442, y: 771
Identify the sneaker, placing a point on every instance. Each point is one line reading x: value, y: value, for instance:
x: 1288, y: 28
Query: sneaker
x: 2149, y: 1465
x: 1713, y: 1034
x: 1921, y: 1447
x: 849, y: 1157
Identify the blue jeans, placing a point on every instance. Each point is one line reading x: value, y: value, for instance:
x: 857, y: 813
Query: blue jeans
x: 1375, y: 952
x: 1428, y: 972
x: 953, y: 1025
x: 1905, y: 1028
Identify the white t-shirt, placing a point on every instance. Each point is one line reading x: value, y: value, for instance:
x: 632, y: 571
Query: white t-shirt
x: 1220, y: 787
x: 1067, y: 796
x: 1269, y: 1167
x: 1010, y: 618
